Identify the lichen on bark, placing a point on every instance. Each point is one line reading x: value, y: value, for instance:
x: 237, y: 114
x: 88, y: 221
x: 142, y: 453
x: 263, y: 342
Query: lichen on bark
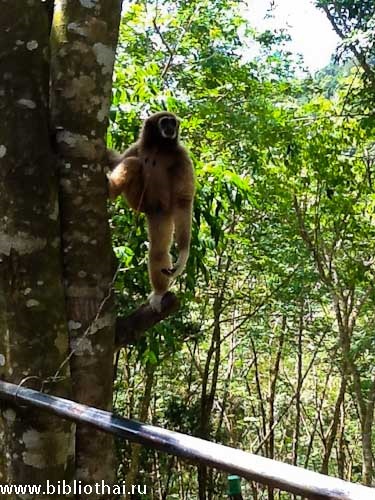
x: 83, y: 42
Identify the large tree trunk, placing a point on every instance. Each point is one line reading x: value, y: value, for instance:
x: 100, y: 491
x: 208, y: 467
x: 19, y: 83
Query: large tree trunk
x: 84, y: 37
x: 34, y: 447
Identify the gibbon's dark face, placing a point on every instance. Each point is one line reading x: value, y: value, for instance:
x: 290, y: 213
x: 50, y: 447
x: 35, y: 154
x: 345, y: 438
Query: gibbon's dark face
x: 168, y: 127
x: 161, y: 129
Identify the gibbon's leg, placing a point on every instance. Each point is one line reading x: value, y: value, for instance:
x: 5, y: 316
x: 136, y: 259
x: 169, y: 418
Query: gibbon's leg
x: 182, y: 222
x: 160, y: 231
x: 127, y: 179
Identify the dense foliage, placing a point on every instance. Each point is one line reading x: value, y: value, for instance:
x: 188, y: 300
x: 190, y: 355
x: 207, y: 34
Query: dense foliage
x: 273, y: 350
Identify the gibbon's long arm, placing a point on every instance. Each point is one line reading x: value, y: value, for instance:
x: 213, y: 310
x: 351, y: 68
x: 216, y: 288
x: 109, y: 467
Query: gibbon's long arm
x: 126, y: 178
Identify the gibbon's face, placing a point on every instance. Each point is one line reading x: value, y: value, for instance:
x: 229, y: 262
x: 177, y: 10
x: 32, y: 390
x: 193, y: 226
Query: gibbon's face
x: 168, y: 127
x: 161, y: 129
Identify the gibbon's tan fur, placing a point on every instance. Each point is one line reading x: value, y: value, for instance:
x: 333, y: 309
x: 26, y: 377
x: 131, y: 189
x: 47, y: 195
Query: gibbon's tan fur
x: 156, y: 177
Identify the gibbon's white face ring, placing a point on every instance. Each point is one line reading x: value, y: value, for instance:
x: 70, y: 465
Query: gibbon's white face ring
x: 163, y: 133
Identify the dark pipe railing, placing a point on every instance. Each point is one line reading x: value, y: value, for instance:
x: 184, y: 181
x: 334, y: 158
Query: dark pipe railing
x: 252, y: 467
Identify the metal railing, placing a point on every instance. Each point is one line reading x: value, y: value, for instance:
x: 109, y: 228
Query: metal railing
x: 199, y: 451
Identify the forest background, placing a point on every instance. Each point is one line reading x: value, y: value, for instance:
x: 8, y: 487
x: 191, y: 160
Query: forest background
x: 273, y: 349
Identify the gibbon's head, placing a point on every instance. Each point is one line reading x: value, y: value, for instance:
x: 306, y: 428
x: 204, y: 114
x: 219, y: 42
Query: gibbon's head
x: 161, y: 129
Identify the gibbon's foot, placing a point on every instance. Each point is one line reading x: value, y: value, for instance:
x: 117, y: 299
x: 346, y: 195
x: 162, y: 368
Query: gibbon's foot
x: 155, y: 301
x: 179, y: 266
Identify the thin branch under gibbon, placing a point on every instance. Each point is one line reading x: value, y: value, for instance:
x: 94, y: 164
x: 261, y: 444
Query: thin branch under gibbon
x: 131, y: 329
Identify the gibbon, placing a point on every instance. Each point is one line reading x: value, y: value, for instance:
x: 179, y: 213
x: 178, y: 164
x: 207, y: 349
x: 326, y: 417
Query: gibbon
x: 156, y: 177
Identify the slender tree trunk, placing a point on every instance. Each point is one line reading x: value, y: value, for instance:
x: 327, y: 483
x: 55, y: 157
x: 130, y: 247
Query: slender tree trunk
x: 34, y: 446
x: 145, y: 406
x: 332, y: 431
x: 208, y: 393
x: 84, y: 37
x: 296, y: 434
x: 261, y: 399
x: 367, y: 425
x: 365, y: 400
x: 299, y: 377
x: 341, y: 445
x: 274, y: 375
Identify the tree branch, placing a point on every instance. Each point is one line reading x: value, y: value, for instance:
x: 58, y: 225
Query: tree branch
x: 130, y: 329
x: 359, y: 54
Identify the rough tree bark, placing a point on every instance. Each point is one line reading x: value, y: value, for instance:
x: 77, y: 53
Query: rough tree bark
x: 34, y: 447
x: 83, y: 42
